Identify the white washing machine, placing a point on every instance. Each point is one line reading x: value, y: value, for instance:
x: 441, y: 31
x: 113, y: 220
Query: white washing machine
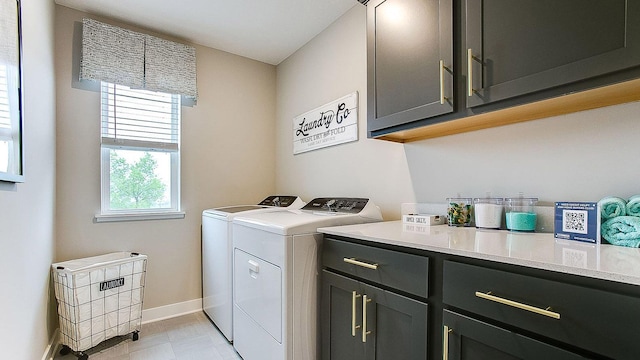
x: 217, y: 256
x: 276, y: 276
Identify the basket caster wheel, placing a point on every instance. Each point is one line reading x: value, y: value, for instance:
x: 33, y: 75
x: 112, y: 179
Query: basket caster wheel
x: 83, y: 357
x: 65, y: 350
x: 136, y: 336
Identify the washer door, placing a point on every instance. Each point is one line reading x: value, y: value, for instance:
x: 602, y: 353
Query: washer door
x: 258, y: 291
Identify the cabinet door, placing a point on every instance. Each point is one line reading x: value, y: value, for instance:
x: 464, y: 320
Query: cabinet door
x: 468, y: 339
x: 409, y: 61
x: 340, y: 318
x: 395, y: 326
x: 520, y: 47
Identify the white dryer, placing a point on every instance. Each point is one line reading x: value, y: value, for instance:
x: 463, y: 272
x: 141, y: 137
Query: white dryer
x: 217, y: 256
x: 276, y: 276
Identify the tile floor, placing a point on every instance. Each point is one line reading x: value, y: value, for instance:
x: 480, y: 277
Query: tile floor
x: 188, y: 337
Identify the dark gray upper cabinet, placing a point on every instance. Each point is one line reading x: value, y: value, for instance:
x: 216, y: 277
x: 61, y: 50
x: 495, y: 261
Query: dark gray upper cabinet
x: 410, y: 60
x: 431, y: 62
x: 519, y: 47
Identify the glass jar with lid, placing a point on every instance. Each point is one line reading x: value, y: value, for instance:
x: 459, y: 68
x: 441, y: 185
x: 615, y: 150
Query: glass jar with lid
x: 520, y: 213
x: 459, y: 211
x: 488, y: 212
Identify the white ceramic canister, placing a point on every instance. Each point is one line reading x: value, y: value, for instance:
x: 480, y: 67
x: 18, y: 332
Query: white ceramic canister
x: 488, y: 212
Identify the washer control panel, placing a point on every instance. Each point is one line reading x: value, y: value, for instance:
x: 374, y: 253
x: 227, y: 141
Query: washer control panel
x: 337, y: 205
x: 278, y: 201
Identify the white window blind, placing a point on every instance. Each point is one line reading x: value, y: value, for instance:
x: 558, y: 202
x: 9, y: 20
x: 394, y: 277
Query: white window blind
x: 9, y: 119
x: 6, y: 141
x: 139, y: 119
x: 5, y: 113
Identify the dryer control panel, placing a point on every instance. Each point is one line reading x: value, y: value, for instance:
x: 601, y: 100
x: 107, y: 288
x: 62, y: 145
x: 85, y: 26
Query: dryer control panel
x: 338, y: 205
x: 278, y: 201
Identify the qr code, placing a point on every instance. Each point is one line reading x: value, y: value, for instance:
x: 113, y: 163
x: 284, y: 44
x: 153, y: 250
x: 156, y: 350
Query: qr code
x: 574, y: 221
x: 575, y: 258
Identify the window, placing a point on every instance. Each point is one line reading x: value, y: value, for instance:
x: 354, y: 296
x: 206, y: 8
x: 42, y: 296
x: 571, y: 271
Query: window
x: 140, y: 154
x: 6, y: 138
x: 9, y: 121
x: 11, y: 159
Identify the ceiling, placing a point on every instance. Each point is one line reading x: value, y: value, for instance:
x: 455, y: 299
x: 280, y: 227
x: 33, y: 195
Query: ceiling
x: 264, y: 30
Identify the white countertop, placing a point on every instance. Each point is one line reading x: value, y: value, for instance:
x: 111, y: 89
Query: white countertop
x: 535, y: 250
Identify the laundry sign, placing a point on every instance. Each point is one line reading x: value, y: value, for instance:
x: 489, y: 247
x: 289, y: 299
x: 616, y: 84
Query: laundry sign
x: 111, y: 284
x: 331, y: 124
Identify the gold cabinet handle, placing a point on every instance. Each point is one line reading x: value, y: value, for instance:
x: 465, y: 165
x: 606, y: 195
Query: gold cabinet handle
x: 445, y: 342
x: 469, y: 73
x: 365, y: 300
x: 361, y: 263
x: 537, y: 310
x: 354, y: 296
x: 442, y: 69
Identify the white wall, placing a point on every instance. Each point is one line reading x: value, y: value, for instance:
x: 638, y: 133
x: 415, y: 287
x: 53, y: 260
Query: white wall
x: 227, y: 158
x: 330, y: 66
x: 27, y: 209
x: 578, y: 157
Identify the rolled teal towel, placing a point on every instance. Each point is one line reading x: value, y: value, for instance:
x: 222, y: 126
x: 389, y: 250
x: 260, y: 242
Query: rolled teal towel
x: 612, y: 206
x: 622, y: 231
x: 633, y: 206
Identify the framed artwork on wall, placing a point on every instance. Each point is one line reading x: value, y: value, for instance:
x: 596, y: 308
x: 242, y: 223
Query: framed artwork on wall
x: 11, y: 100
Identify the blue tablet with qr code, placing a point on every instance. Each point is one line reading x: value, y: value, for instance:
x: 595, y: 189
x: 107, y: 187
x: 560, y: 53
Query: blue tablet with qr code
x: 579, y: 221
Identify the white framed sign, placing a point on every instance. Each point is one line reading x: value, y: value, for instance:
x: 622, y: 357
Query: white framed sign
x: 331, y: 124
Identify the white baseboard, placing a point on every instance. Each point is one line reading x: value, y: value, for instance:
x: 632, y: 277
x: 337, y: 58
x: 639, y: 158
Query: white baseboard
x: 50, y: 351
x: 148, y: 316
x: 169, y: 311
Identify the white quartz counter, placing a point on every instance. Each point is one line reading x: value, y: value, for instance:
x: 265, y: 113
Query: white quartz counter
x: 535, y: 250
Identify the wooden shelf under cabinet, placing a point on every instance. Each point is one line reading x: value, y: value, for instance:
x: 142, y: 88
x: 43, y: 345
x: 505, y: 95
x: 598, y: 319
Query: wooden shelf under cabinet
x: 615, y: 94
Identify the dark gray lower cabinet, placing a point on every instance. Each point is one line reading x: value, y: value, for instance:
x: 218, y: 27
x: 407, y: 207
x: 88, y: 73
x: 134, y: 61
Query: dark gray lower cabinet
x: 583, y: 317
x: 361, y: 321
x: 466, y: 338
x: 476, y: 309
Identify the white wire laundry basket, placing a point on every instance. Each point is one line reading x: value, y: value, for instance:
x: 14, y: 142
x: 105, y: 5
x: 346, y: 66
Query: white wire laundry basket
x: 99, y: 298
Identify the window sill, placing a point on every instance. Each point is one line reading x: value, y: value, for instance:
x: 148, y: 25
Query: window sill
x: 99, y: 218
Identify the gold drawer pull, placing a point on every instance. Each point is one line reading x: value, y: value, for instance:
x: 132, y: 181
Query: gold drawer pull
x: 354, y: 296
x: 470, y: 57
x: 442, y: 70
x: 537, y: 310
x: 445, y: 342
x: 361, y: 263
x: 365, y: 332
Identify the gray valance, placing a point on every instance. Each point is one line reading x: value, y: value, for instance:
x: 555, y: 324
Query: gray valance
x: 9, y: 30
x: 140, y: 61
x: 170, y: 67
x: 112, y: 54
